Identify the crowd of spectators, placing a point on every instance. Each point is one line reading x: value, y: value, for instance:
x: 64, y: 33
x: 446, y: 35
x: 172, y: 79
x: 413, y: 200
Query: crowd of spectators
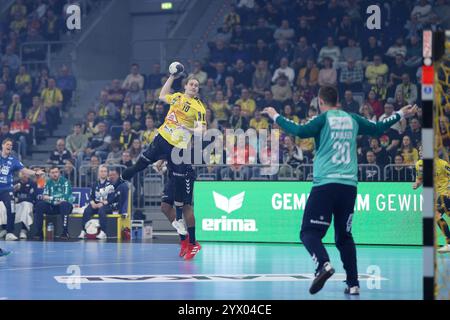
x: 278, y: 53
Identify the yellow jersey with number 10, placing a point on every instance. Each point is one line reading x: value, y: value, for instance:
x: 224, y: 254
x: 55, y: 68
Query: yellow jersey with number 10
x: 181, y: 119
x: 441, y: 175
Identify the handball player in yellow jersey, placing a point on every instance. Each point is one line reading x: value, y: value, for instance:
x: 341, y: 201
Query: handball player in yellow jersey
x: 186, y: 114
x: 441, y: 184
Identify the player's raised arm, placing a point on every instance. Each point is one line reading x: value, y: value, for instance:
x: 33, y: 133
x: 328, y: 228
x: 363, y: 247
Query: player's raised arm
x: 166, y: 88
x: 310, y: 129
x: 378, y: 128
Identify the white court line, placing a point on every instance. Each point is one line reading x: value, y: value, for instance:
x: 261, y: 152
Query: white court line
x: 177, y: 278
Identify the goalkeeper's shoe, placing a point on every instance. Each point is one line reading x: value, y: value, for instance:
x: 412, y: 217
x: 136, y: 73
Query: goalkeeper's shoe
x: 192, y: 250
x: 179, y: 226
x: 353, y: 291
x: 444, y: 249
x: 4, y: 253
x: 321, y: 277
x: 184, y: 247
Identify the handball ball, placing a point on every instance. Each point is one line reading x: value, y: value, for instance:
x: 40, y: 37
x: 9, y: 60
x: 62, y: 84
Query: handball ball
x: 176, y: 68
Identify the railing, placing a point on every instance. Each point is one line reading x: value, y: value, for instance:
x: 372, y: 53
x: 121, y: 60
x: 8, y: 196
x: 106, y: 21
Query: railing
x: 399, y: 172
x: 68, y: 172
x: 369, y: 172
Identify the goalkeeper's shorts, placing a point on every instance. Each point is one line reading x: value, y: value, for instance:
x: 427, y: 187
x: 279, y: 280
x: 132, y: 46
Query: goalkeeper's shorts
x: 443, y: 204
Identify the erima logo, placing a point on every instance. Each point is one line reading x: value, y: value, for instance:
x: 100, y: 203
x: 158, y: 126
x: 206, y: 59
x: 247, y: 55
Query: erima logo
x: 225, y: 224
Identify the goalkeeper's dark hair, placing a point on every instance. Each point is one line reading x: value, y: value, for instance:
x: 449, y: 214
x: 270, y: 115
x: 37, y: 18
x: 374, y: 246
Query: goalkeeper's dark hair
x: 329, y: 95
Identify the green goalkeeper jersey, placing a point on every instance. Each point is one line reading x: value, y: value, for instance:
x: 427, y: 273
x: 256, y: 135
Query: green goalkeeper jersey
x: 335, y: 133
x: 59, y: 190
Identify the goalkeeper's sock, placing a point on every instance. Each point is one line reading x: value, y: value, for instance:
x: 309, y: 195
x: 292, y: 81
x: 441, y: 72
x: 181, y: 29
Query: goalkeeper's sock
x: 191, y: 232
x: 140, y: 165
x: 444, y: 228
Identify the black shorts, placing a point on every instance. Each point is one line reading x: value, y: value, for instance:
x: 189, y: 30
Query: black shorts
x: 185, y: 188
x: 443, y: 204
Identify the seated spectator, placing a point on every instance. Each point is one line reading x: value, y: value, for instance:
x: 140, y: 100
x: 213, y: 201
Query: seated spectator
x: 366, y: 111
x: 67, y: 83
x: 352, y: 51
x: 127, y: 136
x: 307, y: 145
x: 327, y: 74
x: 41, y: 81
x: 20, y: 130
x: 198, y: 73
x: 399, y: 101
x: 134, y: 77
x: 246, y: 103
x: 219, y: 53
x: 398, y: 70
x: 209, y: 90
x: 154, y: 78
x: 370, y: 172
x: 56, y: 199
x: 100, y: 202
x: 284, y: 31
x: 138, y: 118
x: 414, y: 131
x: 240, y: 53
x: 261, y: 52
x: 268, y: 101
x: 135, y: 94
x: 7, y: 77
x: 26, y: 97
x: 35, y: 51
x: 135, y: 150
x: 220, y: 107
x: 303, y: 52
x: 382, y: 157
x: 25, y: 194
x: 15, y: 105
x: 90, y: 125
x: 380, y: 89
x: 224, y: 33
x: 18, y: 7
x: 375, y: 104
x: 409, y: 153
x: 282, y: 90
x: 18, y: 23
x: 371, y: 49
x: 282, y: 49
x: 242, y: 76
x: 310, y: 73
x: 398, y: 48
x: 292, y: 156
x: 77, y: 143
x: 10, y: 59
x: 51, y: 26
x: 389, y: 111
x: 230, y: 91
x: 288, y: 113
x: 423, y: 11
x: 346, y: 31
x: 99, y: 143
x: 126, y: 159
x: 349, y: 104
x: 378, y: 68
x: 89, y: 172
x: 284, y: 69
x: 60, y: 155
x: 211, y: 119
x: 160, y: 115
x: 300, y: 102
x: 52, y: 99
x: 115, y: 154
x: 232, y: 18
x: 351, y: 76
x: 116, y: 94
x: 261, y: 78
x: 399, y: 172
x: 237, y: 121
x: 262, y: 31
x: 408, y: 89
x: 106, y: 110
x: 414, y: 53
x: 329, y: 51
x: 258, y: 122
x: 149, y: 133
x: 36, y: 118
x: 22, y: 78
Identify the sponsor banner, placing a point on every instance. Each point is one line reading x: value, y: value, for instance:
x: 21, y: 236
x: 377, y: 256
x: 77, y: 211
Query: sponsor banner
x: 427, y: 44
x: 263, y: 211
x: 177, y: 278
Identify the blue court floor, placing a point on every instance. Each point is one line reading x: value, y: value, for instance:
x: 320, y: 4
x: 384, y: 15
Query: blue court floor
x: 96, y: 270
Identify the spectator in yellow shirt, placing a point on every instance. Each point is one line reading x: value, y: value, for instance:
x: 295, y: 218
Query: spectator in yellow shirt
x: 18, y: 8
x: 258, y: 122
x: 220, y: 107
x: 247, y: 104
x: 378, y: 68
x: 18, y: 24
x: 410, y: 154
x: 23, y: 78
x: 289, y: 114
x: 52, y: 99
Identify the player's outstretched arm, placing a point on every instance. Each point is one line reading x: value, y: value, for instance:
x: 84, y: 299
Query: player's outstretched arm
x: 310, y: 129
x: 378, y: 128
x: 31, y: 173
x: 166, y: 88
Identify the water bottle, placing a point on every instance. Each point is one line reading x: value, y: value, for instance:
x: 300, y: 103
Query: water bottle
x: 50, y: 231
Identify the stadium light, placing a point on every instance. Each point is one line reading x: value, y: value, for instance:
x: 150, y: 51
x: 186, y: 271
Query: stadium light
x: 166, y: 6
